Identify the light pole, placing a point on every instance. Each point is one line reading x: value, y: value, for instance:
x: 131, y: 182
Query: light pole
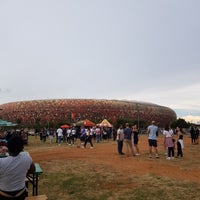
x: 138, y: 119
x: 138, y: 116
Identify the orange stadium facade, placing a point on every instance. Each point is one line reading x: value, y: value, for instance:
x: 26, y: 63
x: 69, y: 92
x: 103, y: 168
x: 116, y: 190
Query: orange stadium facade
x: 71, y: 110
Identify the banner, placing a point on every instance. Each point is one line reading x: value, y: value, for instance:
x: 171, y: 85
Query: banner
x: 73, y: 115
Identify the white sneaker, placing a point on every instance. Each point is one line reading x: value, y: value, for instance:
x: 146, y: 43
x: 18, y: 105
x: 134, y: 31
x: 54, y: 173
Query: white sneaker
x: 168, y: 158
x: 157, y: 156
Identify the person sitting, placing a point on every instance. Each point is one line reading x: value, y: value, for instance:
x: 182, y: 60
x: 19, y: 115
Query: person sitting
x: 13, y: 170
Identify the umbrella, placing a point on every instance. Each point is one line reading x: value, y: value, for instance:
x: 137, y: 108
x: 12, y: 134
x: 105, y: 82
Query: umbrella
x: 85, y: 122
x: 105, y: 123
x: 65, y: 126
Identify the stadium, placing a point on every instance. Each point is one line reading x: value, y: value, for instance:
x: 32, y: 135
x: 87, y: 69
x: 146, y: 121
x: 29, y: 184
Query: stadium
x: 29, y: 113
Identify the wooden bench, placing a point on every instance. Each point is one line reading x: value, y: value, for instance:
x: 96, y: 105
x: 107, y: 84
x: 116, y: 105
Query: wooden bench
x: 39, y: 197
x: 33, y: 178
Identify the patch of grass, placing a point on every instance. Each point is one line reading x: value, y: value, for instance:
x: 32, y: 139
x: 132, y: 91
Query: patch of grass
x: 81, y: 180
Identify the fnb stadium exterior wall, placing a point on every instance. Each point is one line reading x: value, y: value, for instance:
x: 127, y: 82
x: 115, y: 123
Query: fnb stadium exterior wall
x: 72, y: 110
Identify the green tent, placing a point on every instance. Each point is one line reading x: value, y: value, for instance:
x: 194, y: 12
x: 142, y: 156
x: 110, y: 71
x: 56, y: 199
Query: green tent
x: 6, y: 123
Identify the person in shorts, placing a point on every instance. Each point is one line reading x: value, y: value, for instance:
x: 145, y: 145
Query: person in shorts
x: 152, y: 132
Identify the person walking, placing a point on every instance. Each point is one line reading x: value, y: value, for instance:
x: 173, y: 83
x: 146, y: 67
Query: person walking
x: 88, y: 138
x: 13, y: 170
x: 128, y: 134
x: 152, y: 132
x: 168, y: 133
x: 120, y: 138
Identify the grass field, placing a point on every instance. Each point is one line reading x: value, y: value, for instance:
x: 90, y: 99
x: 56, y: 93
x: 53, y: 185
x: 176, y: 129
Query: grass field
x: 100, y: 174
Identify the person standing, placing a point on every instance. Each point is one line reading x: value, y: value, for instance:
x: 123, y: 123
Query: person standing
x: 105, y: 133
x: 13, y: 170
x: 120, y: 138
x: 192, y: 134
x: 60, y: 135
x: 98, y: 134
x: 73, y: 135
x: 114, y: 132
x: 136, y: 139
x: 83, y: 135
x: 196, y: 135
x: 69, y: 136
x: 152, y: 132
x: 51, y: 135
x: 44, y: 134
x: 180, y: 144
x: 64, y: 135
x: 169, y: 142
x: 128, y: 134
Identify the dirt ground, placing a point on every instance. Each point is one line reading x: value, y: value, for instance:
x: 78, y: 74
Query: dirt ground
x: 186, y: 168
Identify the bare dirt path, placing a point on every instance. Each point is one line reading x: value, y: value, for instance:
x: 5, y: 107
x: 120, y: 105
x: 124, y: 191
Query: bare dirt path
x: 186, y: 168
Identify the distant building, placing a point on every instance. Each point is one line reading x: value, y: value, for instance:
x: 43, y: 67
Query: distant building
x: 72, y: 110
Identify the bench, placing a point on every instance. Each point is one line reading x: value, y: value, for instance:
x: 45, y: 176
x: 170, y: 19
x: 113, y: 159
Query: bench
x: 33, y: 178
x: 39, y: 197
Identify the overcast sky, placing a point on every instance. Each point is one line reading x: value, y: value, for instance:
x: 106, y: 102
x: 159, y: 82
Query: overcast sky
x: 144, y: 50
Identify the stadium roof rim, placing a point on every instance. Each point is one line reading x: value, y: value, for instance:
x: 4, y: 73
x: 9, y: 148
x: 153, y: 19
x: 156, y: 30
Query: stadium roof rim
x: 89, y: 99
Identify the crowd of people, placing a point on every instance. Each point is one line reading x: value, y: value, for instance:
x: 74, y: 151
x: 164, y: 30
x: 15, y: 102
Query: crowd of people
x: 70, y: 135
x: 170, y: 143
x: 12, y: 185
x: 128, y: 137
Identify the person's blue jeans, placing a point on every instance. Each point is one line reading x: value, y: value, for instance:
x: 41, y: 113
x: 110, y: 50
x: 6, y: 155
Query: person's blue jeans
x: 59, y: 139
x: 120, y: 146
x: 97, y: 138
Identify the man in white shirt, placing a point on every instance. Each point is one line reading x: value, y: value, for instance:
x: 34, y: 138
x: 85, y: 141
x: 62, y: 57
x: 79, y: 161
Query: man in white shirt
x: 120, y: 138
x: 60, y: 135
x: 13, y: 170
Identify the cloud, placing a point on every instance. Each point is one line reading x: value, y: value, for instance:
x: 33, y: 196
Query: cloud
x: 192, y: 119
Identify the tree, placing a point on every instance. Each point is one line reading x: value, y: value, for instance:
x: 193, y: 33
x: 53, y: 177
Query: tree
x: 180, y: 123
x: 142, y: 124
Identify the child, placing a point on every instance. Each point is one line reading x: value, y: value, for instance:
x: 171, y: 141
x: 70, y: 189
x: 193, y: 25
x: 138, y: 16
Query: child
x: 180, y: 145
